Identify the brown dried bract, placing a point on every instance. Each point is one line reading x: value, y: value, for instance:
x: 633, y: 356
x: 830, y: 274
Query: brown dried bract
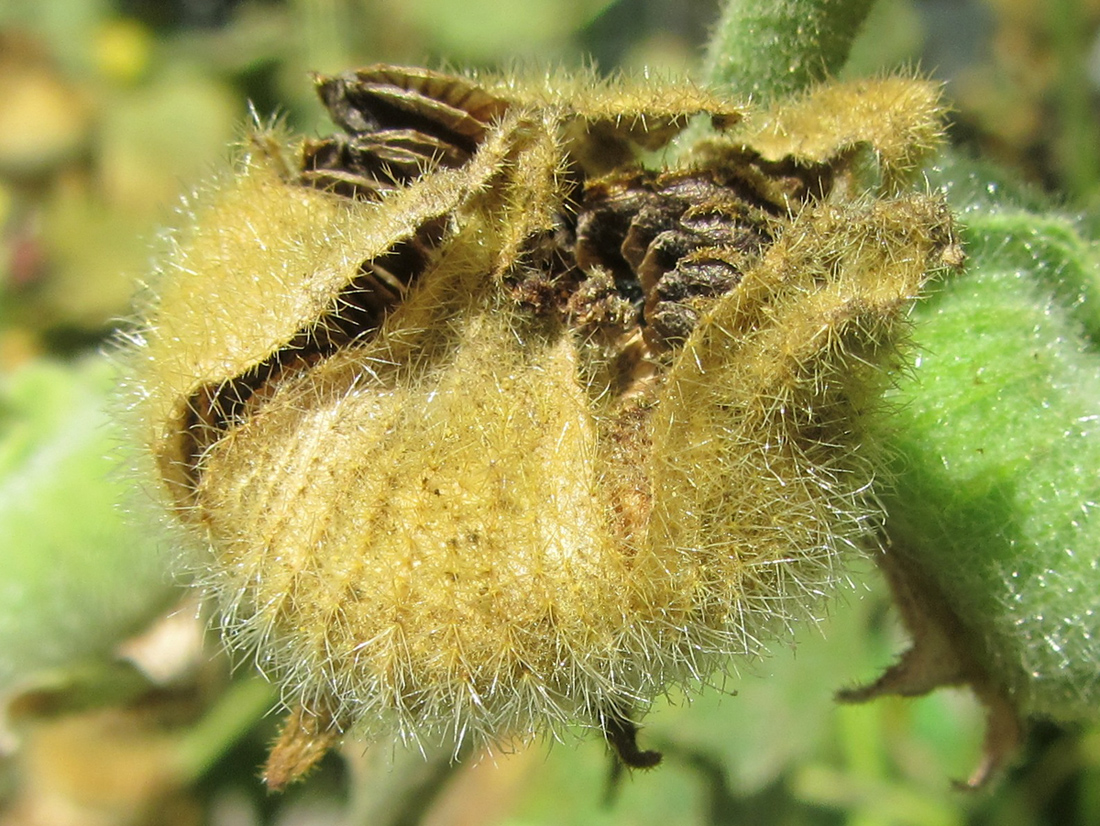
x: 306, y: 737
x: 942, y: 654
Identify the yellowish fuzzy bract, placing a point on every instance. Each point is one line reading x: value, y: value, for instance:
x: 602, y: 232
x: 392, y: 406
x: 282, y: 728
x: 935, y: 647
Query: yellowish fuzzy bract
x: 490, y: 431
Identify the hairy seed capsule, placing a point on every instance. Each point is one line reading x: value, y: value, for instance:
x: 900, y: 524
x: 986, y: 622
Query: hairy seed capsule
x: 490, y: 430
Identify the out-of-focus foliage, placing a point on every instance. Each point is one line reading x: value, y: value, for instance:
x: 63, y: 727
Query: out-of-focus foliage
x: 108, y: 111
x: 56, y: 438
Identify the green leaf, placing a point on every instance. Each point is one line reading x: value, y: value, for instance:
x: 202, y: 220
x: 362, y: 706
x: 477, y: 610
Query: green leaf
x: 997, y: 438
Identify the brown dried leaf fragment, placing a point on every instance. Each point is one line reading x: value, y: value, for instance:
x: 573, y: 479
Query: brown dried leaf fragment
x: 942, y: 653
x: 306, y: 737
x: 621, y: 734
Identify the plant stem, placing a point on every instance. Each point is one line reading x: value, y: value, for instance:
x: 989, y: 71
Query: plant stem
x: 772, y: 48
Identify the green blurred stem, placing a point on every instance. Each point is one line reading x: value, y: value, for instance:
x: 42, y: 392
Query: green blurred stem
x: 395, y: 787
x: 1078, y: 126
x: 235, y: 712
x: 772, y: 48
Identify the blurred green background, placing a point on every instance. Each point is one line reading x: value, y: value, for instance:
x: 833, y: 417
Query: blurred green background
x: 108, y: 112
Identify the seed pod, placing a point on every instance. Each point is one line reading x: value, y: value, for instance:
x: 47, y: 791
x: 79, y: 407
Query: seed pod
x: 489, y: 430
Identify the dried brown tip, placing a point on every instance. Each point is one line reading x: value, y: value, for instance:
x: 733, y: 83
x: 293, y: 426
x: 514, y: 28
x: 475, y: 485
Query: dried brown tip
x: 1003, y: 736
x: 942, y: 654
x: 622, y: 735
x: 306, y: 738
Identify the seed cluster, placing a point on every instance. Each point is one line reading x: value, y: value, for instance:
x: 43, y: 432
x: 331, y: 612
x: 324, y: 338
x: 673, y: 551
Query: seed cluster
x: 490, y: 430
